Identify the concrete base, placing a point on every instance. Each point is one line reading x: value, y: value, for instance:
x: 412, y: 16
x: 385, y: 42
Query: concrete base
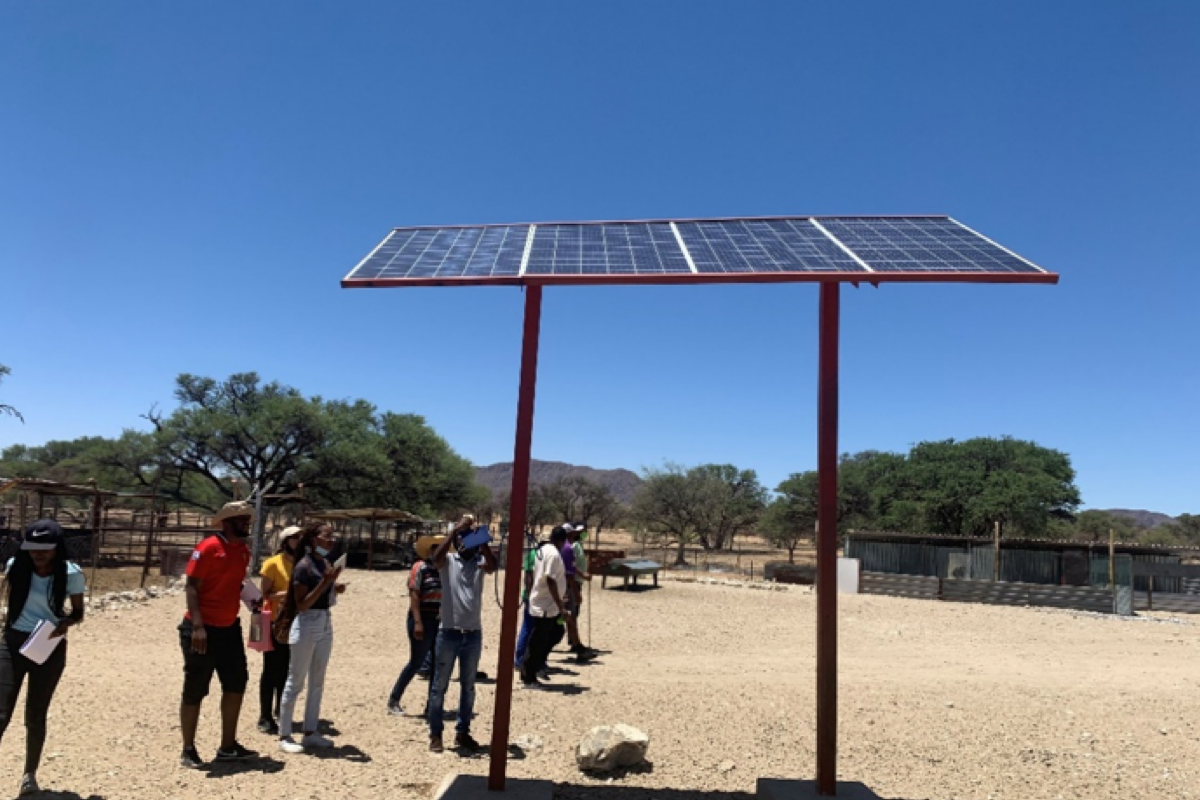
x: 474, y: 787
x: 778, y: 789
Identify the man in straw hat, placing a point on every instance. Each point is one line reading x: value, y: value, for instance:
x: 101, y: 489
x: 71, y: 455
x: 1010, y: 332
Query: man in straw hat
x: 211, y: 632
x: 424, y: 614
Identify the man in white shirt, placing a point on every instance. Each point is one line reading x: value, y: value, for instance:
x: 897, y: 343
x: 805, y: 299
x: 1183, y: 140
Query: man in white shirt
x: 547, y: 603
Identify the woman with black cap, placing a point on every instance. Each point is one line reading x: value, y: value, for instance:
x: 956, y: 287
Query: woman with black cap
x: 38, y: 580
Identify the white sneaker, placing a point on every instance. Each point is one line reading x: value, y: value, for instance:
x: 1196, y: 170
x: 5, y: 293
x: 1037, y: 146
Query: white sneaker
x: 315, y: 740
x: 288, y: 745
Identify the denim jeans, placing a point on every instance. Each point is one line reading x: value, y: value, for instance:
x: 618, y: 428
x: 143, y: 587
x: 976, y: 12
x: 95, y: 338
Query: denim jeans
x: 311, y: 641
x: 465, y: 646
x: 524, y: 636
x: 418, y: 650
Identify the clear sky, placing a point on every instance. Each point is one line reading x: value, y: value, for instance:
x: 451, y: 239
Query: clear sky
x: 183, y: 185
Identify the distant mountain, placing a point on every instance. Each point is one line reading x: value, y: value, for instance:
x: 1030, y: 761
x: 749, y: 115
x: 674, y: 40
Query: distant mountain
x: 498, y: 477
x: 1143, y: 519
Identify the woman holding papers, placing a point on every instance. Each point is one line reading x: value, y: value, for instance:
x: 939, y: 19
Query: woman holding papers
x: 314, y: 581
x: 38, y: 580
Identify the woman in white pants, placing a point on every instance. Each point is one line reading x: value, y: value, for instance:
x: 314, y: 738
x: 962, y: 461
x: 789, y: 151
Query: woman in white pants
x: 314, y: 580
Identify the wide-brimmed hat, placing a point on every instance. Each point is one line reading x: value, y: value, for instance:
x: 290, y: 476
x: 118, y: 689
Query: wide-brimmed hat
x: 238, y: 508
x: 285, y: 534
x: 426, y: 545
x: 44, y: 534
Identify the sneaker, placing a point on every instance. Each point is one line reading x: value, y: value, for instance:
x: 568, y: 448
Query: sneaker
x: 235, y: 753
x: 435, y: 744
x: 395, y: 710
x: 29, y: 785
x: 268, y: 727
x: 190, y: 759
x: 465, y: 742
x: 315, y: 740
x: 288, y: 745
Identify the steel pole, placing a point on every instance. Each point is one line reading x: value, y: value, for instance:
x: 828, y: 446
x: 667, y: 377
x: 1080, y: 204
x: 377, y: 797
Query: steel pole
x: 516, y: 538
x: 827, y: 503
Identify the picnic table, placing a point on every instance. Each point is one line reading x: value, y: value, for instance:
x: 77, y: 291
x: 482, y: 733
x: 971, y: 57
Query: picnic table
x: 627, y: 568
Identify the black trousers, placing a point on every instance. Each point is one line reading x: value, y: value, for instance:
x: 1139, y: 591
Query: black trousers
x: 273, y: 678
x: 43, y: 680
x: 547, y: 632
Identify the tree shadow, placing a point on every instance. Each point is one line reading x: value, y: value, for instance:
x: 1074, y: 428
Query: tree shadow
x: 223, y: 769
x: 343, y: 752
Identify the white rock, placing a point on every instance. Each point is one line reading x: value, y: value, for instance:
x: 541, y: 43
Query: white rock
x: 607, y: 747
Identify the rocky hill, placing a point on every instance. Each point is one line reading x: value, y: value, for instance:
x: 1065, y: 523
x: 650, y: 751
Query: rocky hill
x: 1143, y: 519
x: 498, y: 477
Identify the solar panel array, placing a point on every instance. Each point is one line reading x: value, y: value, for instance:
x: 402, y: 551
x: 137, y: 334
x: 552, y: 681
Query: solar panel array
x: 810, y: 245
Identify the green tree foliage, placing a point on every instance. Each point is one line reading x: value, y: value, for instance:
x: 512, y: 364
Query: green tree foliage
x: 708, y: 504
x: 7, y: 409
x: 1094, y: 526
x: 792, y: 515
x: 1183, y: 531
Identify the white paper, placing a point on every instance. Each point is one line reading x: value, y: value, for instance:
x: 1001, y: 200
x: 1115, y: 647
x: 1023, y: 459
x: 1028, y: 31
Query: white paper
x: 341, y: 562
x: 39, y: 645
x: 250, y: 595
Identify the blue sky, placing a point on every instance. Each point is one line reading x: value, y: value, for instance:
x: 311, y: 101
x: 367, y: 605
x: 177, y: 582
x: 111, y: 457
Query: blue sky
x: 182, y: 187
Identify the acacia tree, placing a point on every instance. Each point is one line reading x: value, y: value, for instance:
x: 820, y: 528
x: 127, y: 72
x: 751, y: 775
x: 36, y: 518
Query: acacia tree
x: 7, y: 409
x: 732, y: 501
x: 666, y: 503
x: 792, y: 516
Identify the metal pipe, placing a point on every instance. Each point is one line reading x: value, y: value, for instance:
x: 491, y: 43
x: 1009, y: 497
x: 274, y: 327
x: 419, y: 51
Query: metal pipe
x: 516, y: 538
x: 827, y: 435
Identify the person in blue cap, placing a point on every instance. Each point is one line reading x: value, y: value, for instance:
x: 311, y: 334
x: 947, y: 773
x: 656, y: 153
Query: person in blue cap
x: 39, y: 580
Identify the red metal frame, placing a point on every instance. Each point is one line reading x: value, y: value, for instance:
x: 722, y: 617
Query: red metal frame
x: 685, y: 278
x: 827, y: 512
x: 516, y: 538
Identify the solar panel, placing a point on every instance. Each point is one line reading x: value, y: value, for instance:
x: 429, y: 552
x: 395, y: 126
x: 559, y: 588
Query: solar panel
x: 922, y: 244
x: 606, y: 249
x: 478, y: 252
x: 726, y: 250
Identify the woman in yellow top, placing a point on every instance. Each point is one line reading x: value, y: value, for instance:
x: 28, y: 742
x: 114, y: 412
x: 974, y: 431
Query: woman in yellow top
x: 276, y: 576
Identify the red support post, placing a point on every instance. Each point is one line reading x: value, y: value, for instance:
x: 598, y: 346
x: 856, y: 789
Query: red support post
x: 516, y: 538
x: 827, y: 508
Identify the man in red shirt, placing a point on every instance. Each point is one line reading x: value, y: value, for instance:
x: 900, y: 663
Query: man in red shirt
x: 211, y: 632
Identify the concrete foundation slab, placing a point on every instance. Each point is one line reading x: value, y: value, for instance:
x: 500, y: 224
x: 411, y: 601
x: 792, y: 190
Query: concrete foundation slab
x: 474, y: 787
x: 779, y: 789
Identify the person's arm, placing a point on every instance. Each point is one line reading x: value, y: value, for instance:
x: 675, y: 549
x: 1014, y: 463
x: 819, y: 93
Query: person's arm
x: 489, y: 559
x: 74, y: 618
x: 443, y: 549
x: 552, y: 585
x: 199, y: 635
x: 306, y: 597
x: 414, y: 608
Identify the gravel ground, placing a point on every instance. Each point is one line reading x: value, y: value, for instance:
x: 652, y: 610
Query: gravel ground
x: 937, y: 700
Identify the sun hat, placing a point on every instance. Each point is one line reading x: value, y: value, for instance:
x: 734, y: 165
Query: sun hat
x: 426, y: 545
x: 44, y: 534
x: 238, y: 508
x: 285, y: 534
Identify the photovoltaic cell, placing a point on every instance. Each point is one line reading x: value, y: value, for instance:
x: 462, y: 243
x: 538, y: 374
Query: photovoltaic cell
x: 490, y: 251
x: 606, y: 249
x: 922, y: 244
x: 770, y: 245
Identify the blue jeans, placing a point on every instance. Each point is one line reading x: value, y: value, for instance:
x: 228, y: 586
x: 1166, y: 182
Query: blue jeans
x: 465, y: 646
x: 418, y: 651
x: 523, y: 637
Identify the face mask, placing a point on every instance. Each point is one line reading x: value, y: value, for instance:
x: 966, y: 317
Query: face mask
x: 321, y: 551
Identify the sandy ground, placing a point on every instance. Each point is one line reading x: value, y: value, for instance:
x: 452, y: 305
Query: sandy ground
x: 938, y: 700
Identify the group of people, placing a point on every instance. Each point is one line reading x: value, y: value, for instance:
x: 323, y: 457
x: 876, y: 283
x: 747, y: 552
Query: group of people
x: 298, y: 585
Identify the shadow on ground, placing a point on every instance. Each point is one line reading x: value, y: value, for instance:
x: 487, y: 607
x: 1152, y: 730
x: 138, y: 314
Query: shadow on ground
x: 607, y: 791
x: 223, y: 769
x: 50, y: 794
